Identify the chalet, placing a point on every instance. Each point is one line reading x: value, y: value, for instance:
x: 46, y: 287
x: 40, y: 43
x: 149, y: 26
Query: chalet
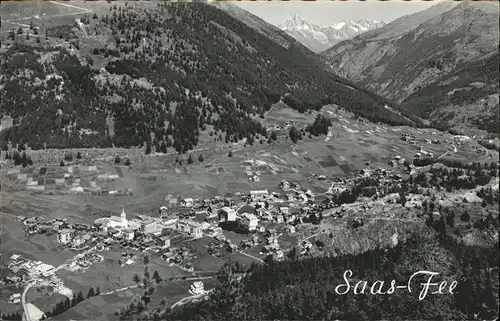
x: 19, y: 273
x: 31, y: 228
x: 290, y: 229
x: 187, y: 202
x: 165, y: 240
x: 16, y: 259
x: 163, y: 211
x: 65, y: 235
x: 249, y: 221
x: 227, y: 214
x: 197, y: 288
x: 58, y: 225
x: 15, y: 298
x: 283, y: 210
x: 128, y: 234
x: 258, y: 195
x: 192, y: 228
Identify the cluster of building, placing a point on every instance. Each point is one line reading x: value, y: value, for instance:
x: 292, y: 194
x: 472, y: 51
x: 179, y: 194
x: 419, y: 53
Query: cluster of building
x: 22, y: 271
x: 179, y: 256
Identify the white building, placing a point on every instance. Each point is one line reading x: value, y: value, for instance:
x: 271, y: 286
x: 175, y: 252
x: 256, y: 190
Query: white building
x: 250, y: 221
x: 119, y: 222
x: 192, y: 228
x: 163, y: 211
x: 128, y: 234
x: 227, y: 214
x: 259, y: 194
x: 187, y: 202
x: 197, y: 288
x: 65, y: 235
x: 15, y: 298
x: 151, y: 227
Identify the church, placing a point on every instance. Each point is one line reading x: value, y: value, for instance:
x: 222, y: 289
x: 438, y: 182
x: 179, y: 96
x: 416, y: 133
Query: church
x: 117, y: 222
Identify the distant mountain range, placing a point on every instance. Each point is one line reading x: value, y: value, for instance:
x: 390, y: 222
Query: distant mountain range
x: 318, y: 38
x: 438, y: 63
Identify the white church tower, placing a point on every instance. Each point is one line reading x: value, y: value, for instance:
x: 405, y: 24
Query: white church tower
x: 124, y: 218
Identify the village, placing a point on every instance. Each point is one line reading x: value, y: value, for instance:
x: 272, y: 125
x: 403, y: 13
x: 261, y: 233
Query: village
x: 259, y: 217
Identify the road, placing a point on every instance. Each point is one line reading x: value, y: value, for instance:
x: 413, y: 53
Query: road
x: 26, y: 314
x: 189, y: 298
x: 449, y: 152
x: 251, y: 256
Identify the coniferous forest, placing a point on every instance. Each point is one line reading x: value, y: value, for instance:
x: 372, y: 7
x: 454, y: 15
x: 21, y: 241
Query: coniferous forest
x: 305, y: 289
x: 165, y: 75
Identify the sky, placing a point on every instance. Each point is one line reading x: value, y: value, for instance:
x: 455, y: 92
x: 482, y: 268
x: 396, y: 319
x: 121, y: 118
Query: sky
x: 325, y: 12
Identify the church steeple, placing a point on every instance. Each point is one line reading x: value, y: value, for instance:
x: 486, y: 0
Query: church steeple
x: 124, y: 218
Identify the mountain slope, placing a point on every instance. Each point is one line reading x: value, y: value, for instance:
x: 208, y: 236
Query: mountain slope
x: 319, y: 38
x: 256, y: 23
x: 162, y: 74
x: 464, y: 98
x: 416, y: 51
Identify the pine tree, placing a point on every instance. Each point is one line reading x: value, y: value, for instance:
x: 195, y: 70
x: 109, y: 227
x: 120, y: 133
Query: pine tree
x: 200, y: 158
x: 190, y: 159
x: 137, y: 278
x: 91, y: 293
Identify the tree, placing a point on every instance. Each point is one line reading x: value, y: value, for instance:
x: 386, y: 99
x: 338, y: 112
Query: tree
x: 294, y: 134
x: 62, y: 163
x: 163, y: 303
x: 78, y: 155
x: 190, y: 159
x: 137, y: 278
x: 274, y: 136
x: 20, y: 30
x: 230, y: 154
x: 157, y: 276
x: 450, y: 219
x: 148, y: 149
x: 465, y: 217
x: 127, y: 162
x: 146, y: 273
x: 200, y: 158
x: 146, y: 259
x: 117, y: 160
x: 91, y: 293
x: 97, y: 291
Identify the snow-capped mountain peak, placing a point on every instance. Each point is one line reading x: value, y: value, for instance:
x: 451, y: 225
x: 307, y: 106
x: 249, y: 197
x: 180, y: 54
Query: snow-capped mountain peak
x: 297, y: 23
x: 319, y: 38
